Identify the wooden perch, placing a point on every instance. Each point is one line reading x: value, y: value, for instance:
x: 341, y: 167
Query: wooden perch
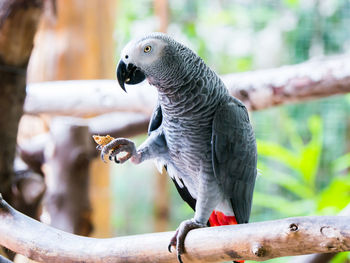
x: 256, y: 241
x: 320, y: 258
x: 258, y: 90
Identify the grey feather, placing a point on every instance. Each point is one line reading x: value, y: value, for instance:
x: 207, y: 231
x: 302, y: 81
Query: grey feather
x: 156, y: 119
x: 234, y: 156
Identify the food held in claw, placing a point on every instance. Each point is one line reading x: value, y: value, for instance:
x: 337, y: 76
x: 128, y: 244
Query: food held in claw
x: 102, y: 140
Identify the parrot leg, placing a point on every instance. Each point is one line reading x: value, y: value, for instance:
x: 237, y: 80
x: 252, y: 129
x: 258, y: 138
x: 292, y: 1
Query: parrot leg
x: 178, y: 240
x: 117, y: 146
x: 154, y: 146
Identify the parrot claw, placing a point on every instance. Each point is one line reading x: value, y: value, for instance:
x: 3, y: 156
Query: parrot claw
x: 178, y: 240
x: 173, y: 241
x: 99, y: 147
x: 113, y: 148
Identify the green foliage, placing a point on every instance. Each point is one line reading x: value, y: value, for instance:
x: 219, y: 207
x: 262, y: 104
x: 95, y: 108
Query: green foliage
x: 293, y: 171
x: 341, y: 258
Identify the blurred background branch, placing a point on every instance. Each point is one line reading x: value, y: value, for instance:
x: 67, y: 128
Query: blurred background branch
x: 257, y: 89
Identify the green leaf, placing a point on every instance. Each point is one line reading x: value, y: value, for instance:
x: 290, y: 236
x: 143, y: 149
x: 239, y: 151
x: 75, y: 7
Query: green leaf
x: 310, y: 155
x: 290, y: 129
x: 336, y: 196
x: 292, y: 3
x: 286, y: 181
x: 244, y: 63
x: 279, y: 153
x: 347, y: 97
x: 282, y: 205
x: 341, y: 258
x: 342, y: 163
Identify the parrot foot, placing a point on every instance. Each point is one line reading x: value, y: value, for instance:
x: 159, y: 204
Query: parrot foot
x: 113, y: 148
x: 178, y: 240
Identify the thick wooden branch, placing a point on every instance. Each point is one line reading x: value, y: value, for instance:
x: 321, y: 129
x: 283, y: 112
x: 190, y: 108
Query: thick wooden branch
x: 258, y: 90
x: 320, y: 258
x: 256, y: 241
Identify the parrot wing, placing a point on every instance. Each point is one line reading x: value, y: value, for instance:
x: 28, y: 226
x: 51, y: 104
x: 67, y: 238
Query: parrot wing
x: 156, y: 119
x: 234, y: 156
x: 185, y: 195
x: 155, y: 122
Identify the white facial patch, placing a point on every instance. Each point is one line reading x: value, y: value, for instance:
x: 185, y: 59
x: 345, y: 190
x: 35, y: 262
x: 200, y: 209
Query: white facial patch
x: 142, y: 53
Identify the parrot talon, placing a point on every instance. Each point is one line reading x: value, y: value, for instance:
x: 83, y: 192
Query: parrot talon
x: 179, y: 258
x: 116, y: 146
x: 173, y: 241
x: 178, y: 240
x: 99, y: 147
x: 103, y: 157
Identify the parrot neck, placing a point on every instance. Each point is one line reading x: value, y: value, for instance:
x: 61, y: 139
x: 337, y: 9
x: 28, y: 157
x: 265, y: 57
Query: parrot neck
x: 186, y: 85
x: 193, y: 97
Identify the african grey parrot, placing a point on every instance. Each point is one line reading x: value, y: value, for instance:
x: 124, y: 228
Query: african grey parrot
x: 198, y: 132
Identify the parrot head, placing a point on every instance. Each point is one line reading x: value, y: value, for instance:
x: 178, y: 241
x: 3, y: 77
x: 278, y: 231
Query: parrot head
x: 148, y: 57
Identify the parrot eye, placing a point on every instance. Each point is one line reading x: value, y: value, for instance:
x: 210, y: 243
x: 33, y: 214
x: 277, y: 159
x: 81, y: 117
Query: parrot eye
x: 147, y: 49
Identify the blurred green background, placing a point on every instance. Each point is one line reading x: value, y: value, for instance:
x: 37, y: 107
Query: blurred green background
x: 303, y: 149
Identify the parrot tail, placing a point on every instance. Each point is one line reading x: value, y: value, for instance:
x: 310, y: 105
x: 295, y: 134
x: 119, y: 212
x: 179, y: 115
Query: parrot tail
x: 218, y: 218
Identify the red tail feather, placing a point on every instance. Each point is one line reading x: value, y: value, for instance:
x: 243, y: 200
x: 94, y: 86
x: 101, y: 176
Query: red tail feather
x: 219, y: 219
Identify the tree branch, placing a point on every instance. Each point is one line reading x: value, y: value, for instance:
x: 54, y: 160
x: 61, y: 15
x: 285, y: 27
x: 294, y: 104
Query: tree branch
x: 18, y: 23
x: 256, y: 241
x: 258, y: 90
x: 320, y: 258
x: 87, y: 98
x: 295, y: 83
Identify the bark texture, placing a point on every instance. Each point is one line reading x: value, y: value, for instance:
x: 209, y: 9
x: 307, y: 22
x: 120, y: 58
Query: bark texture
x: 320, y: 258
x: 255, y: 241
x: 18, y: 23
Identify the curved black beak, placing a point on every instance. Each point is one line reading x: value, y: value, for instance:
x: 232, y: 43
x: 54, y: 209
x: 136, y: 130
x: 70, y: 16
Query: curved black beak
x: 129, y: 74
